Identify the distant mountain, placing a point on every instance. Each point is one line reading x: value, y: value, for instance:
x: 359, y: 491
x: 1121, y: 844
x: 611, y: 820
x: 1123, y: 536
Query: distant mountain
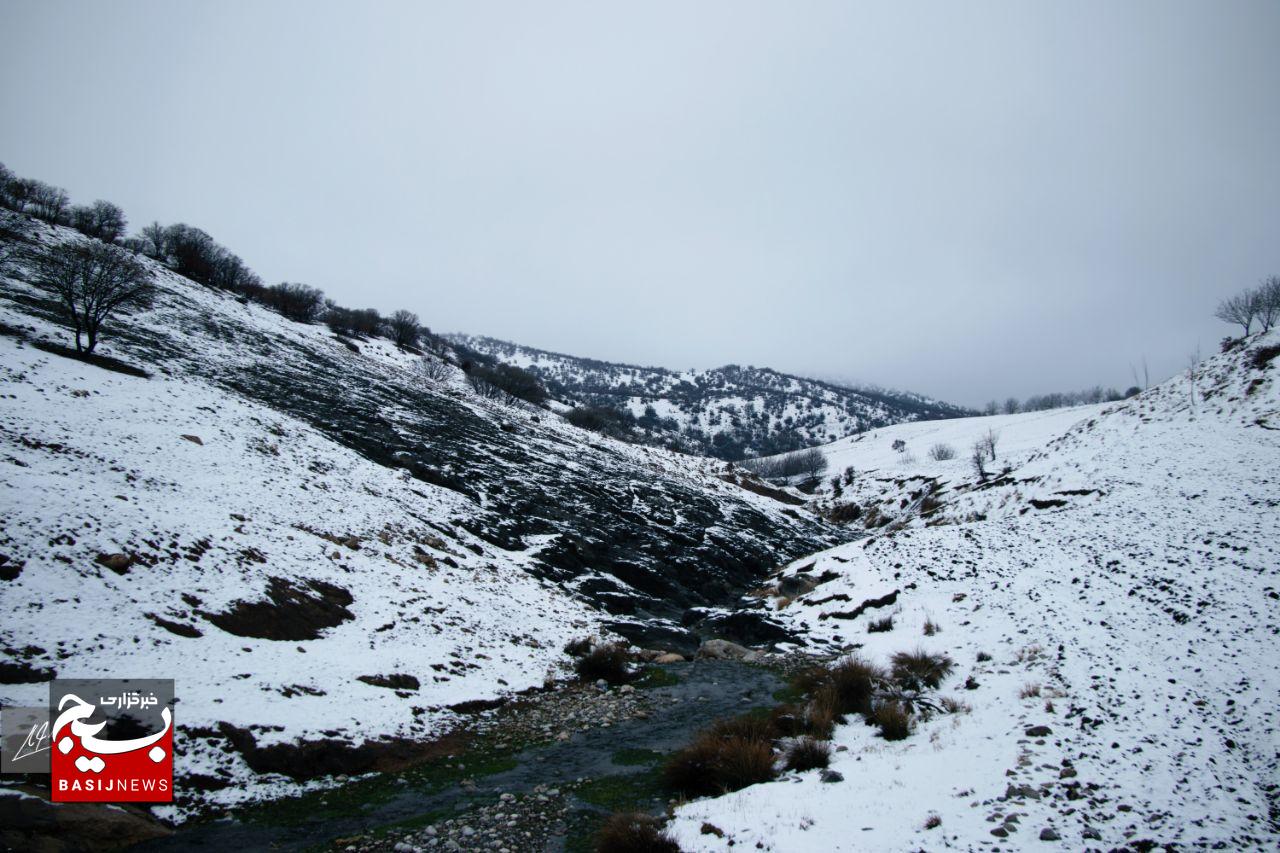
x: 729, y: 412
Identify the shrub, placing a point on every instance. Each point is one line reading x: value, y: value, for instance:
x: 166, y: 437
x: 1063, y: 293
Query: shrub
x: 715, y: 763
x: 634, y: 832
x: 843, y: 513
x: 744, y: 762
x: 821, y: 714
x: 579, y: 647
x: 942, y: 452
x: 880, y: 626
x: 951, y: 705
x: 853, y: 682
x: 603, y: 419
x: 1029, y: 691
x: 893, y: 720
x: 608, y: 662
x: 933, y: 821
x: 919, y: 669
x: 983, y: 657
x: 808, y: 754
x: 931, y: 627
x: 299, y: 302
x: 745, y: 726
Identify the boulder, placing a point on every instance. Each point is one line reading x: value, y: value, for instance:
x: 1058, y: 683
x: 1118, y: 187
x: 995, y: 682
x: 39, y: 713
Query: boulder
x: 725, y: 650
x: 669, y: 657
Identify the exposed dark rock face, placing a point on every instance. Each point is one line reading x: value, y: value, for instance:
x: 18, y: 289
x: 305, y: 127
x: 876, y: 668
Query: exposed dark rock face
x: 291, y: 611
x: 637, y: 541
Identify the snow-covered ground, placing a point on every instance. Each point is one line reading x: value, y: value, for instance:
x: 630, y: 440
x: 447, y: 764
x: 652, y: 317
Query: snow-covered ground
x: 142, y: 521
x: 1142, y: 615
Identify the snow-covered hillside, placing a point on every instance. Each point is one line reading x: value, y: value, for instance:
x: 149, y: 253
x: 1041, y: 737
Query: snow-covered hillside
x: 1113, y: 608
x: 729, y: 412
x: 317, y: 541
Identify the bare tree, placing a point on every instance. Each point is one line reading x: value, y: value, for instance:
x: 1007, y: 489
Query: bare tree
x: 156, y: 236
x: 102, y: 220
x: 942, y: 452
x: 93, y: 282
x: 1193, y: 362
x: 435, y: 369
x: 299, y: 302
x: 44, y: 201
x: 404, y: 328
x: 6, y: 178
x: 979, y: 458
x: 991, y: 408
x: 815, y: 462
x: 1011, y: 406
x: 988, y: 444
x: 1268, y: 301
x: 1241, y: 308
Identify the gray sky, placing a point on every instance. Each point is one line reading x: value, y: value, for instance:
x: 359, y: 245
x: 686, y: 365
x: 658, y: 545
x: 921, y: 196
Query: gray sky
x: 969, y: 200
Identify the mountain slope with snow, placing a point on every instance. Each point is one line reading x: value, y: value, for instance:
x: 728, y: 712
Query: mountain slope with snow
x: 729, y: 412
x: 319, y: 542
x: 1118, y: 587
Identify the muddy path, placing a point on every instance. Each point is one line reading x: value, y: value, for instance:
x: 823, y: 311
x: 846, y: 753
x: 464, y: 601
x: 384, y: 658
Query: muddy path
x: 507, y: 793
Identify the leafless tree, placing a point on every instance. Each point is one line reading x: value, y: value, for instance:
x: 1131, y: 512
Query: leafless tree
x: 299, y: 302
x: 979, y: 458
x: 991, y: 408
x: 102, y: 220
x: 155, y: 235
x: 1011, y: 406
x: 1193, y: 362
x: 93, y: 282
x: 988, y: 444
x: 1241, y: 308
x: 6, y: 178
x: 435, y: 369
x: 1268, y: 299
x: 942, y: 452
x: 44, y: 201
x: 404, y: 328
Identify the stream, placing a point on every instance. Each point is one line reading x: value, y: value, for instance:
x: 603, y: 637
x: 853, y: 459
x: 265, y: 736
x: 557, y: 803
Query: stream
x: 706, y: 690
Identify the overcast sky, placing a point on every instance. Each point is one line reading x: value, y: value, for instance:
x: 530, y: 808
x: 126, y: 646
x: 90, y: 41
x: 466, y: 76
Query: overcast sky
x: 970, y: 200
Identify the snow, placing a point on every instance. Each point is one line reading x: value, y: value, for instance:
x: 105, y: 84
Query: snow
x: 1145, y: 614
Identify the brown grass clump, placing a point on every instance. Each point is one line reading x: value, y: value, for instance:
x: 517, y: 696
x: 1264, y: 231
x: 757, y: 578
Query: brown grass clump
x: 808, y: 754
x: 919, y: 669
x: 607, y: 662
x: 880, y: 626
x: 634, y: 832
x: 1029, y: 691
x: 731, y: 755
x: 931, y: 627
x: 893, y: 720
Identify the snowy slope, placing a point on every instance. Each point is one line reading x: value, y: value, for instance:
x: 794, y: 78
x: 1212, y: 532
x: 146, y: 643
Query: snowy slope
x: 726, y: 412
x: 1145, y: 614
x: 338, y: 515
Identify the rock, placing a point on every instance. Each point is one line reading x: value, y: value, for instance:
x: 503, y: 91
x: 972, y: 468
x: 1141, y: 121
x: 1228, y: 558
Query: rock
x: 118, y: 563
x: 669, y: 657
x: 725, y: 650
x: 1092, y: 834
x: 1000, y: 832
x: 194, y: 439
x: 30, y: 822
x: 831, y: 776
x: 1039, y: 731
x: 712, y: 829
x: 1049, y: 834
x: 626, y: 688
x: 602, y: 685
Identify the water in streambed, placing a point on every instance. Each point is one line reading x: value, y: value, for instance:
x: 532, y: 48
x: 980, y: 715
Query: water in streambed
x: 706, y: 690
